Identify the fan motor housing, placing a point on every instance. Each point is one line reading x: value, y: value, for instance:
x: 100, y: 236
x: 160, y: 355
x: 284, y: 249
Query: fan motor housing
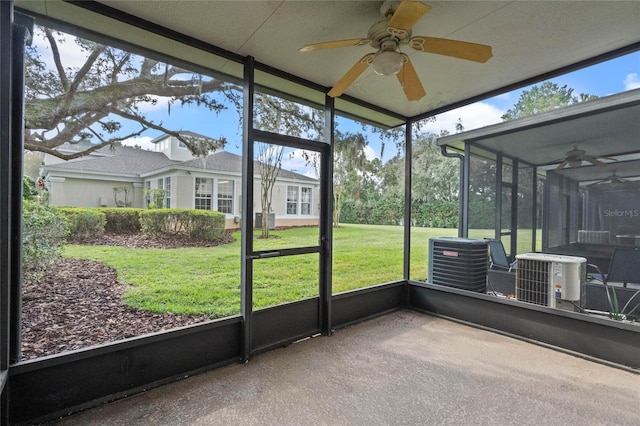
x: 378, y: 33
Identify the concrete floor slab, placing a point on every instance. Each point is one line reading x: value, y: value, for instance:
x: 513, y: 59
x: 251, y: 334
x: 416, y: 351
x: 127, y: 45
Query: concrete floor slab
x: 404, y: 368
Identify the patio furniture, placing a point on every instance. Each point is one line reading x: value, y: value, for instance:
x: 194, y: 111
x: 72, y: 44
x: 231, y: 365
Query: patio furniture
x: 498, y: 256
x: 593, y: 237
x: 624, y: 268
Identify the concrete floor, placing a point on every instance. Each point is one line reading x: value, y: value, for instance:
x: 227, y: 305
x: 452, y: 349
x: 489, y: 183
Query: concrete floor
x: 404, y: 368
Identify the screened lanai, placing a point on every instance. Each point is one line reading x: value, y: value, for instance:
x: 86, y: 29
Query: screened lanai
x: 586, y: 160
x: 250, y: 50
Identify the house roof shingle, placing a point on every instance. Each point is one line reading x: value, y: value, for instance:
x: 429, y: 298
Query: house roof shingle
x: 224, y: 161
x: 134, y: 161
x: 118, y: 160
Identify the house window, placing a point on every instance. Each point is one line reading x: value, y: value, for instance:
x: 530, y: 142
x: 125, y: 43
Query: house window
x: 305, y: 201
x: 181, y: 145
x: 165, y: 186
x: 167, y: 193
x: 292, y: 200
x: 203, y: 193
x: 147, y: 192
x: 299, y: 200
x: 225, y: 196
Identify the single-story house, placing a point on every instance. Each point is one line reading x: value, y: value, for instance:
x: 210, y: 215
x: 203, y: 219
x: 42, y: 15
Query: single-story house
x: 128, y: 176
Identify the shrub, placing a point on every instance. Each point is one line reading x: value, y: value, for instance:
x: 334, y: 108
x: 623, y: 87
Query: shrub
x: 122, y: 220
x: 389, y: 211
x: 43, y: 233
x: 29, y: 191
x: 205, y: 224
x: 195, y: 224
x: 155, y: 198
x: 435, y: 214
x: 84, y: 222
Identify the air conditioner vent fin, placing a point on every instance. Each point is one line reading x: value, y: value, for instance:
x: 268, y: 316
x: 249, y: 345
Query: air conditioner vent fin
x: 533, y: 281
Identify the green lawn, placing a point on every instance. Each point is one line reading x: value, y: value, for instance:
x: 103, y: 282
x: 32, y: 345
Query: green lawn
x: 207, y: 280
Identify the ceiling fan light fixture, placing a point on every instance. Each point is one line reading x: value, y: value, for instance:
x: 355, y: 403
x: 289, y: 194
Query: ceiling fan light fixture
x: 388, y: 62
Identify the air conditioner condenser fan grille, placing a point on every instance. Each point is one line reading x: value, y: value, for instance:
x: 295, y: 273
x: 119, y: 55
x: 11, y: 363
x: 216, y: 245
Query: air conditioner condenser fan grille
x: 550, y: 280
x: 532, y: 283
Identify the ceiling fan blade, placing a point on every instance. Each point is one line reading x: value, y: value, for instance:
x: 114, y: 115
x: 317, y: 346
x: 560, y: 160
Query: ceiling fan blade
x: 592, y: 160
x: 410, y: 82
x: 351, y: 75
x: 334, y: 44
x: 457, y: 49
x: 563, y: 165
x: 408, y: 13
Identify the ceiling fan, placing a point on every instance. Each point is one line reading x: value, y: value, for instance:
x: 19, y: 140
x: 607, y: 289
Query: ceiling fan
x: 612, y: 179
x: 387, y: 36
x: 575, y: 157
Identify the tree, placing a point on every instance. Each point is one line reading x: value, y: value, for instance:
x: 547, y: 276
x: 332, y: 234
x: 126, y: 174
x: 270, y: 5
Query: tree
x: 277, y: 115
x: 434, y: 177
x: 31, y: 163
x: 350, y: 164
x: 270, y: 158
x: 434, y: 184
x: 90, y: 102
x: 544, y: 97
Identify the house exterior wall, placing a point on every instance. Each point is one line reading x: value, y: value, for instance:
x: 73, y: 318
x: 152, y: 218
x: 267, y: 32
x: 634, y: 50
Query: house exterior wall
x: 279, y: 204
x: 172, y: 148
x: 56, y: 191
x: 233, y: 224
x: 91, y: 192
x: 182, y: 197
x: 279, y: 200
x: 288, y: 222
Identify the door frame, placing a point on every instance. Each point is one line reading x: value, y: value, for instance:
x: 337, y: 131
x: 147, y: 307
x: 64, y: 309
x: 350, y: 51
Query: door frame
x: 285, y: 325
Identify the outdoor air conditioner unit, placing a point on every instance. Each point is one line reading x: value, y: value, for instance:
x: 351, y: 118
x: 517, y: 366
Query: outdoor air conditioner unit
x: 550, y: 280
x: 459, y: 263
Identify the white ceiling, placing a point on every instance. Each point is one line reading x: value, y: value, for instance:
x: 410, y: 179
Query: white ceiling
x: 529, y: 38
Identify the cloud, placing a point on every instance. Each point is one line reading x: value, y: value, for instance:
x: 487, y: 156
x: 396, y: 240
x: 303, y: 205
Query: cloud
x: 161, y: 103
x: 296, y: 162
x: 70, y: 53
x: 631, y: 82
x: 142, y: 141
x: 370, y: 153
x: 473, y: 116
x: 504, y: 96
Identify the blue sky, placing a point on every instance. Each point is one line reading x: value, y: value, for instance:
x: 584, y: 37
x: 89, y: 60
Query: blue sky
x: 603, y: 79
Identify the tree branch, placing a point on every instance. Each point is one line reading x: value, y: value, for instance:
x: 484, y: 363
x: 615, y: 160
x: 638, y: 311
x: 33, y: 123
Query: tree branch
x: 46, y: 113
x: 71, y: 129
x: 80, y: 75
x: 195, y: 149
x: 56, y: 58
x: 118, y: 67
x: 112, y: 141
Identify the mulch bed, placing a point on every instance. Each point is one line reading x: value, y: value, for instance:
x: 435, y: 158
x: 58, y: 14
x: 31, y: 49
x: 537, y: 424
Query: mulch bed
x: 77, y: 303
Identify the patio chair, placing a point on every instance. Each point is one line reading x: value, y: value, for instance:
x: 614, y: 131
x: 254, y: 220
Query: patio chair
x: 498, y: 256
x: 624, y: 268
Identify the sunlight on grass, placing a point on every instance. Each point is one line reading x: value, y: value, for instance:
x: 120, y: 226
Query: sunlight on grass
x: 207, y: 280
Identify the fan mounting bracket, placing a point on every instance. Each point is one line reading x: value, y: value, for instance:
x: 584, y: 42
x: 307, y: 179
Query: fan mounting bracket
x: 381, y: 32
